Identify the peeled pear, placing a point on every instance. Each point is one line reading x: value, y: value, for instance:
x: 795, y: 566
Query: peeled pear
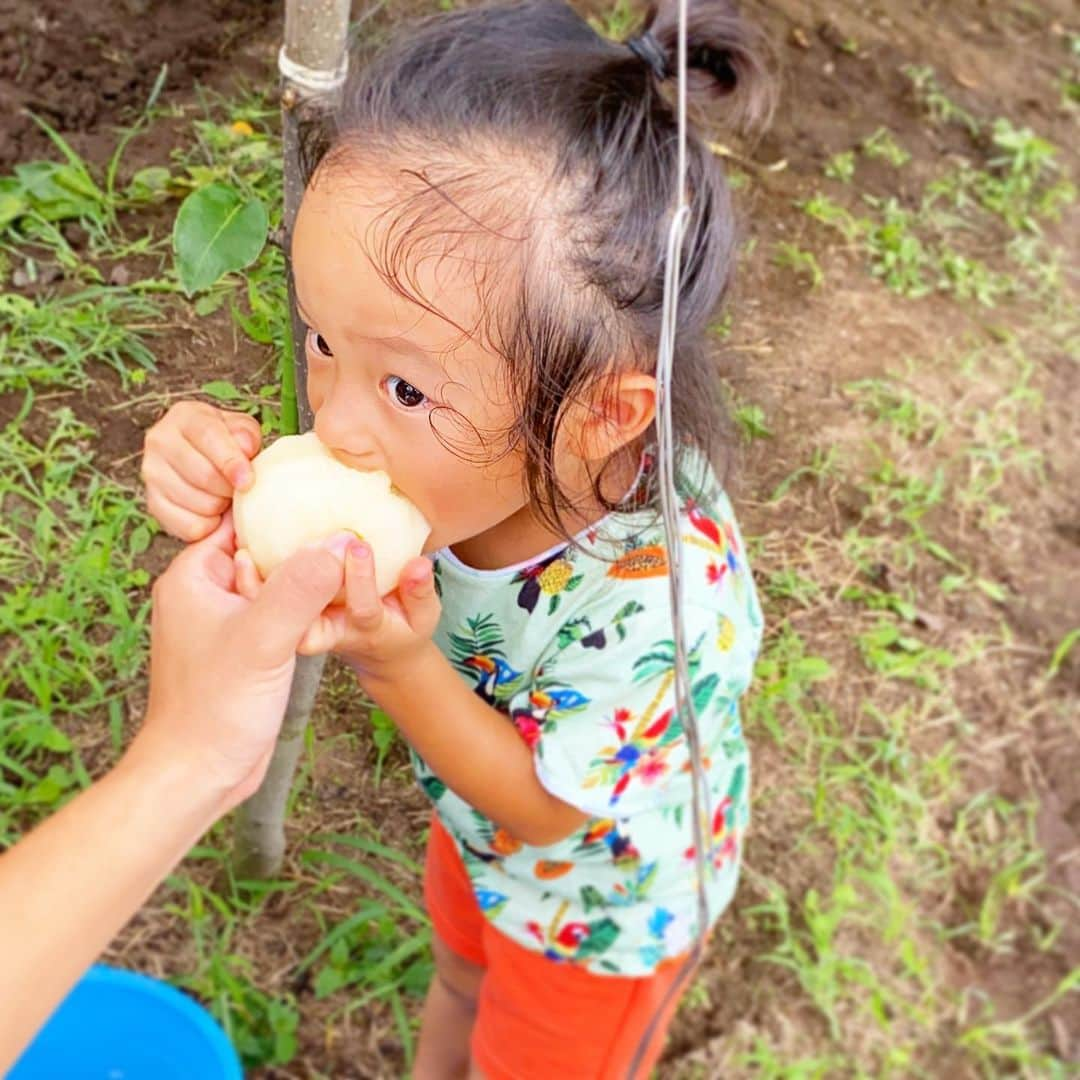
x: 302, y: 494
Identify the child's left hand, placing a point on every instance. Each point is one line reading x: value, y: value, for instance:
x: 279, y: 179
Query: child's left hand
x: 378, y: 637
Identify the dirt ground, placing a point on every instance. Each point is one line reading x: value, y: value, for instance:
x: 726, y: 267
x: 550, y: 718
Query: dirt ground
x: 86, y: 67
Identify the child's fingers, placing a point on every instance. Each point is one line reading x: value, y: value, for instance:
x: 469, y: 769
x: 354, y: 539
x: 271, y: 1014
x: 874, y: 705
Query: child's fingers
x: 221, y: 451
x: 362, y: 599
x: 248, y: 581
x: 177, y: 521
x: 324, y: 634
x: 163, y: 477
x: 418, y: 598
x: 190, y: 462
x: 245, y: 429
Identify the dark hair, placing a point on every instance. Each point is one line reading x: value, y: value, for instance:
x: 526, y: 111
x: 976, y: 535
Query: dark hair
x: 529, y: 129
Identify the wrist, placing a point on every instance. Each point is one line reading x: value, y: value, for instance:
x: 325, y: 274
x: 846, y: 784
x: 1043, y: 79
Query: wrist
x: 180, y: 773
x: 410, y: 669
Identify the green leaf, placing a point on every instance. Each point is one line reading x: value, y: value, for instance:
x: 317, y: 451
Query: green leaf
x: 58, y: 191
x: 208, y: 304
x: 811, y: 668
x: 139, y: 540
x: 327, y: 981
x: 221, y: 390
x: 216, y: 231
x: 148, y: 182
x: 1061, y: 653
x: 13, y: 202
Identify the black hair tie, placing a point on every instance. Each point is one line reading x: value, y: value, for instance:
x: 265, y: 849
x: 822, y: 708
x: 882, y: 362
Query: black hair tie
x: 649, y: 51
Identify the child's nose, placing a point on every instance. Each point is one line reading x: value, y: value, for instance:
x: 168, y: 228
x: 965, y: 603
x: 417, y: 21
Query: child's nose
x: 352, y: 445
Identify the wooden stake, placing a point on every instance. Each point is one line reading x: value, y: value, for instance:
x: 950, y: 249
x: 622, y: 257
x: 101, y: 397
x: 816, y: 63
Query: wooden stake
x: 312, y: 64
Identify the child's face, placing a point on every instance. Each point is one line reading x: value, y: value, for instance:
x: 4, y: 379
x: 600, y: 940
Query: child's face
x: 379, y: 366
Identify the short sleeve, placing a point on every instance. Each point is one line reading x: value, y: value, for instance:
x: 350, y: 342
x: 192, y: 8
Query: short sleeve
x: 600, y: 710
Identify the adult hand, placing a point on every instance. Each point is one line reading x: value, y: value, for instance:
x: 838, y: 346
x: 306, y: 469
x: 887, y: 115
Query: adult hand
x: 221, y: 665
x: 380, y: 638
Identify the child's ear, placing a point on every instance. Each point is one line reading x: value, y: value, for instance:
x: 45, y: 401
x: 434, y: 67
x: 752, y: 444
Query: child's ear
x: 621, y: 408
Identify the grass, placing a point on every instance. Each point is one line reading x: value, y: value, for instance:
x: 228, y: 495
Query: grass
x: 932, y: 247
x: 893, y: 872
x: 73, y: 616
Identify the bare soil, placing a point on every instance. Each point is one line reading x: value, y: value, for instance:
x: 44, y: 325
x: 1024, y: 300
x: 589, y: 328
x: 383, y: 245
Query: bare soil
x: 86, y: 67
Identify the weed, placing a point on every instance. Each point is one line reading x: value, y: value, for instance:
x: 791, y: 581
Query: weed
x: 841, y: 167
x: 42, y: 192
x: 236, y: 143
x: 381, y: 951
x: 822, y: 464
x: 752, y: 421
x: 914, y: 418
x: 881, y: 600
x: 882, y: 144
x: 823, y: 209
x: 970, y: 279
x: 52, y: 341
x: 722, y: 327
x: 384, y: 734
x: 784, y: 677
x: 935, y: 101
x: 74, y: 624
x: 896, y: 654
x: 802, y: 262
x: 788, y: 584
x: 897, y: 254
x: 1014, y: 189
x: 1061, y: 653
x: 995, y: 841
x: 262, y: 1026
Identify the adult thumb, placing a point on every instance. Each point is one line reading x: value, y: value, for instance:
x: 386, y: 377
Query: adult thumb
x: 289, y: 602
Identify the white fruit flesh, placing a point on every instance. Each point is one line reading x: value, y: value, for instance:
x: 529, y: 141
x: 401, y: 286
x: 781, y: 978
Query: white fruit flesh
x: 303, y: 494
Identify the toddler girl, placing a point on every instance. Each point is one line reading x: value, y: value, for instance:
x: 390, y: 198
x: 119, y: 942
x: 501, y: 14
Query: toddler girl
x: 479, y: 258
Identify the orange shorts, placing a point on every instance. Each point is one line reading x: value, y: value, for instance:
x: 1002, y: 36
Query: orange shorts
x: 538, y: 1018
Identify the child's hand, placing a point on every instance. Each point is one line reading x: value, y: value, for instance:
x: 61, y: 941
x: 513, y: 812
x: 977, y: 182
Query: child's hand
x: 379, y: 638
x: 194, y: 458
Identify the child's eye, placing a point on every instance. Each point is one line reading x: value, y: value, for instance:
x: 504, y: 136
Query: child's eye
x: 319, y: 342
x: 405, y: 394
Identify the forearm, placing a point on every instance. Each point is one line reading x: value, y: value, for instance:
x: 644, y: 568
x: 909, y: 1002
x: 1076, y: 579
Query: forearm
x: 69, y: 887
x: 474, y: 749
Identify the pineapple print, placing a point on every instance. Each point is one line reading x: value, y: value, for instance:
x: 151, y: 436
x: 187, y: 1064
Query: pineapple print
x: 552, y: 578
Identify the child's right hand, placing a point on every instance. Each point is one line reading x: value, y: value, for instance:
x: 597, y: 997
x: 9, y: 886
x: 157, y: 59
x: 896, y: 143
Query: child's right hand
x: 194, y: 458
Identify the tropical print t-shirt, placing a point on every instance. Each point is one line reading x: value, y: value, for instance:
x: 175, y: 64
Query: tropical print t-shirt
x: 576, y: 649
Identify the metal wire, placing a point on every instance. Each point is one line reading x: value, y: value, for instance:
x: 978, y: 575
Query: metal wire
x: 669, y: 501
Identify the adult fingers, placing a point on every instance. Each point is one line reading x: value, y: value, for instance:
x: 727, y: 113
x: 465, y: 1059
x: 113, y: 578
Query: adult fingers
x: 215, y: 554
x: 325, y: 633
x: 289, y: 602
x: 207, y: 561
x: 248, y: 581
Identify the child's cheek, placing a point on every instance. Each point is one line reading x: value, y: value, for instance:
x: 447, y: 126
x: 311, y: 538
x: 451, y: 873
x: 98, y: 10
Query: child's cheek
x: 316, y: 390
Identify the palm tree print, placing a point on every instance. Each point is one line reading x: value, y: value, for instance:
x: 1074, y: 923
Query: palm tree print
x: 645, y: 742
x: 478, y: 654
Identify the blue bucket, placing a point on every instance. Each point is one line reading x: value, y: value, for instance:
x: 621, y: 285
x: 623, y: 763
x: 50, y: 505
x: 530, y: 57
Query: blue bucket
x: 118, y: 1025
